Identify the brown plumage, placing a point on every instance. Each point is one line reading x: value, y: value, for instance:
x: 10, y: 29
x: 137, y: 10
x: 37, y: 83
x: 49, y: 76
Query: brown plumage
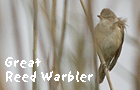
x: 109, y: 35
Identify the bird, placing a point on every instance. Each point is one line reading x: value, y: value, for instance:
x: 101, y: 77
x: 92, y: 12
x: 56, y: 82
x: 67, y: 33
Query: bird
x: 109, y: 36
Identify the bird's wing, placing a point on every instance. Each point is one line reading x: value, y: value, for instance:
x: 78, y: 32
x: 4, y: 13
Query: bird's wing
x: 121, y: 24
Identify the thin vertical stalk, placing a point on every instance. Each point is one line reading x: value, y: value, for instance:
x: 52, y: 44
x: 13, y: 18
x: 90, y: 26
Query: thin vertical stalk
x: 53, y: 33
x: 35, y: 5
x: 53, y: 29
x: 138, y: 59
x: 90, y: 19
x: 62, y: 38
x: 53, y: 21
x: 1, y: 86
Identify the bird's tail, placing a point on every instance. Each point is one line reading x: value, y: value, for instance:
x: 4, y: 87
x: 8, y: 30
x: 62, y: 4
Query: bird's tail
x: 101, y: 74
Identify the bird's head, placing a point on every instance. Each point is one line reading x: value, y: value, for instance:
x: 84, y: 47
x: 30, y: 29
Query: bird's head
x: 107, y: 14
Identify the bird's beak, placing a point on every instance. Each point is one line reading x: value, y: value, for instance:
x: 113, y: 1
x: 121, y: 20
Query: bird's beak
x: 98, y: 16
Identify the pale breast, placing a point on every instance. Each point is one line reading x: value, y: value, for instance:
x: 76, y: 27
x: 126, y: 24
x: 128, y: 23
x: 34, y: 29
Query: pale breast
x: 109, y: 40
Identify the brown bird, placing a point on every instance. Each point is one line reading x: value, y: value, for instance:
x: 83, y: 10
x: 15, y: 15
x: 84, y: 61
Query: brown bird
x: 109, y: 36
